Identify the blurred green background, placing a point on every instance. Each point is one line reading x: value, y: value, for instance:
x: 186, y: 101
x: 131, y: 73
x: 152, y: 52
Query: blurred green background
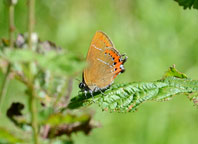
x: 153, y: 33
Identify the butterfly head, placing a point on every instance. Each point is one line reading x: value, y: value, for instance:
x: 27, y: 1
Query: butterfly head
x: 82, y: 85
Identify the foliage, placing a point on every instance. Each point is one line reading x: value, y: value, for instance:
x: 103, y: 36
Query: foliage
x: 127, y: 97
x: 32, y: 68
x: 47, y: 71
x: 188, y: 3
x: 7, y: 138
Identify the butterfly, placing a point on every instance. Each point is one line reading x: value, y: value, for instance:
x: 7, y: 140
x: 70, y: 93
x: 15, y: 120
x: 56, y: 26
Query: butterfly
x: 105, y: 63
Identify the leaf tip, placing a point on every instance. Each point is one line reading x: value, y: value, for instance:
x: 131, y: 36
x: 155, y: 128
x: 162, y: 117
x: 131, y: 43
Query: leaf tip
x: 173, y: 72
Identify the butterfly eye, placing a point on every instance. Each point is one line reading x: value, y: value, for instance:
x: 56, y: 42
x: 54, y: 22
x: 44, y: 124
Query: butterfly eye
x: 81, y: 85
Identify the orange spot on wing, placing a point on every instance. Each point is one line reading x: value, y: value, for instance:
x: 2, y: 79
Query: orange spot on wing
x: 116, y: 73
x: 113, y: 55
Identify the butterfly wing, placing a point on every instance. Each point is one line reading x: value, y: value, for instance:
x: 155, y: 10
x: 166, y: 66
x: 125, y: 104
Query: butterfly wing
x: 101, y: 59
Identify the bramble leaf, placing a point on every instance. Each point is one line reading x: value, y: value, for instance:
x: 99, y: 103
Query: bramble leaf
x: 128, y: 97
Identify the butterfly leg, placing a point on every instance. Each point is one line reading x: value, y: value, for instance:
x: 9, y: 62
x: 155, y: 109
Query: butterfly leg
x: 81, y: 92
x: 86, y: 94
x: 102, y: 92
x: 91, y: 92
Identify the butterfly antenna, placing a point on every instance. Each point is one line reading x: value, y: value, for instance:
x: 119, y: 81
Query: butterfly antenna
x: 78, y: 80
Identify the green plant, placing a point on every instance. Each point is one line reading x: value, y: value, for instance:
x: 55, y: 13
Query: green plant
x: 46, y: 72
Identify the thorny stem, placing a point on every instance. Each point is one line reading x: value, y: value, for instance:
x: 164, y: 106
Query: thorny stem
x: 32, y: 96
x: 5, y: 81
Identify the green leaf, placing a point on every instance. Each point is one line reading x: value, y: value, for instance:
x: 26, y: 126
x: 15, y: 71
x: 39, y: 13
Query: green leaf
x: 7, y: 138
x: 65, y: 124
x: 188, y: 3
x: 44, y: 114
x: 173, y: 72
x: 18, y: 55
x: 60, y: 63
x: 128, y: 97
x: 59, y: 118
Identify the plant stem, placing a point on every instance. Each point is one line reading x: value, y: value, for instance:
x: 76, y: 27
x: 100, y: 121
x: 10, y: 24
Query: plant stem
x: 11, y: 25
x: 31, y: 21
x: 32, y: 102
x: 4, y: 86
x: 33, y: 110
x: 5, y: 81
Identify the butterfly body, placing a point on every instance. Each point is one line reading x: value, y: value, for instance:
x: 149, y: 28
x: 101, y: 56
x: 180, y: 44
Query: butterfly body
x: 104, y: 64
